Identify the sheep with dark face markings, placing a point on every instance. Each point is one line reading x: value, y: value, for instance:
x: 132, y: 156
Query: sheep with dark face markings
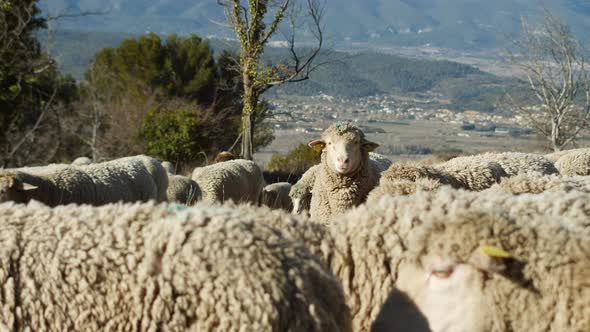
x: 345, y: 176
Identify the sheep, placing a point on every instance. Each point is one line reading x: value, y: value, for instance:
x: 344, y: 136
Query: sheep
x: 436, y: 159
x: 82, y: 161
x: 576, y: 162
x: 345, y: 175
x: 182, y: 189
x: 138, y: 178
x: 537, y: 183
x: 367, y: 244
x: 169, y: 167
x: 406, y: 178
x: 477, y: 270
x: 276, y: 195
x: 158, y: 267
x: 512, y: 163
x: 301, y: 191
x: 224, y: 156
x: 238, y: 180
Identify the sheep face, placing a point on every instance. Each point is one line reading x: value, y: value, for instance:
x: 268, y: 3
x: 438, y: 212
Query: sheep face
x: 451, y: 294
x: 13, y: 190
x: 345, y: 147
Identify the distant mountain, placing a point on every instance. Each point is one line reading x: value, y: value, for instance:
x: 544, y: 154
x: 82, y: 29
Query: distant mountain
x: 459, y: 24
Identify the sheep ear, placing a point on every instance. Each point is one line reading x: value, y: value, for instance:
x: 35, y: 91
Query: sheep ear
x: 370, y: 146
x: 317, y: 144
x: 489, y: 259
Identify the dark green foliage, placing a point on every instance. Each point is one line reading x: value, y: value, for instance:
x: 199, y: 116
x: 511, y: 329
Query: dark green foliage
x: 297, y: 161
x: 32, y: 91
x: 180, y: 67
x: 177, y: 132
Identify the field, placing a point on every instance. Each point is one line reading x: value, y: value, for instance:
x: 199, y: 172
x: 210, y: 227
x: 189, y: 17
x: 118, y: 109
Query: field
x: 424, y: 135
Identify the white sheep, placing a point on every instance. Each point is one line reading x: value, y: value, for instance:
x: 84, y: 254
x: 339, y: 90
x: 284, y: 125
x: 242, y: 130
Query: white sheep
x: 146, y: 267
x: 301, y: 191
x: 407, y: 178
x: 478, y: 270
x: 575, y: 162
x: 512, y: 163
x: 238, y: 180
x: 169, y: 167
x: 182, y: 189
x: 276, y: 195
x: 130, y: 179
x: 82, y: 161
x: 345, y: 175
x: 366, y: 245
x: 537, y: 183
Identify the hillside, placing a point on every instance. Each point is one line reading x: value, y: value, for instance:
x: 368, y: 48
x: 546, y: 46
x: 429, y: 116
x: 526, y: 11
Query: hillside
x: 458, y: 24
x: 345, y: 75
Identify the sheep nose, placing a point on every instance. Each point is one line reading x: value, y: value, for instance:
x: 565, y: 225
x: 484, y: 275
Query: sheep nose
x: 342, y: 160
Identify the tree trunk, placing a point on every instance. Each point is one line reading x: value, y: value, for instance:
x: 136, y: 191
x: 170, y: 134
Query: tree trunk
x: 248, y: 136
x: 555, y: 136
x: 250, y: 100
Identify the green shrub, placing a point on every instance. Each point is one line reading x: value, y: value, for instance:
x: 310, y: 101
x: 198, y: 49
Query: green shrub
x: 297, y: 161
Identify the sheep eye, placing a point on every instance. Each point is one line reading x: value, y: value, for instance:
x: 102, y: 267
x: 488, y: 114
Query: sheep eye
x: 443, y: 274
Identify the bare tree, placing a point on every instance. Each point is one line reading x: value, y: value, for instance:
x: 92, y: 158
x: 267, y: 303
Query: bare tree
x: 557, y: 75
x: 249, y: 21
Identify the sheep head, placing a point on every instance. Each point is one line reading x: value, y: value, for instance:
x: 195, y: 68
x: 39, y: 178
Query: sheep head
x: 12, y: 189
x: 345, y: 147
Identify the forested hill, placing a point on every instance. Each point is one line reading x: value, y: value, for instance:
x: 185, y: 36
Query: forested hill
x: 345, y: 75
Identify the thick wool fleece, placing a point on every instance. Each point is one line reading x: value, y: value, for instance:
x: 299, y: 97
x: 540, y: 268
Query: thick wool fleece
x: 238, y: 180
x: 365, y: 246
x: 138, y: 178
x: 536, y: 183
x: 545, y: 284
x: 182, y: 189
x: 512, y: 163
x: 576, y: 162
x: 147, y: 268
x: 334, y: 194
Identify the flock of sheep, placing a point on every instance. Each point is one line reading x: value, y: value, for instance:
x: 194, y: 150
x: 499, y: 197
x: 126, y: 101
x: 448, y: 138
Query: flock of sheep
x: 489, y: 242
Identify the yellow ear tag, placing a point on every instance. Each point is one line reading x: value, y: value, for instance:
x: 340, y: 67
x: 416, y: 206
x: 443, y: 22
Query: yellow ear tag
x: 319, y: 147
x: 493, y: 251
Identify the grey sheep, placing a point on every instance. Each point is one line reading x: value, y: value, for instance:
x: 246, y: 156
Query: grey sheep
x: 239, y: 180
x: 182, y: 189
x: 478, y: 270
x: 276, y: 196
x: 146, y: 267
x: 130, y: 179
